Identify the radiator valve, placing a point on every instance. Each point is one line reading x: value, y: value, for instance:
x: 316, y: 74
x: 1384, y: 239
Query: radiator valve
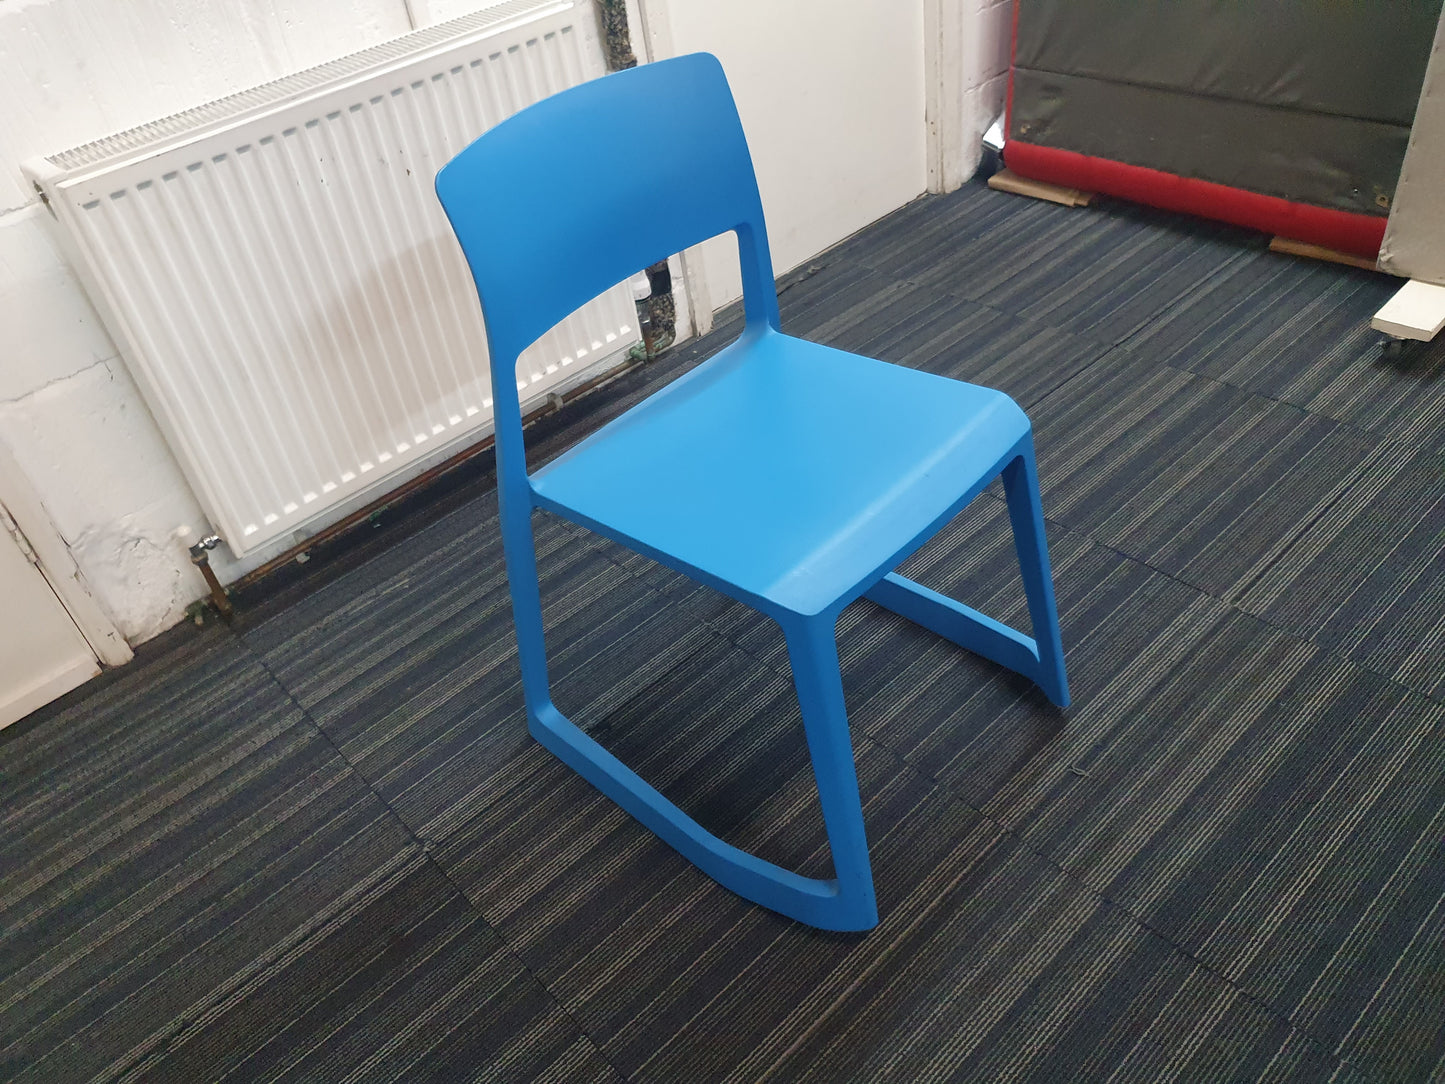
x: 199, y: 555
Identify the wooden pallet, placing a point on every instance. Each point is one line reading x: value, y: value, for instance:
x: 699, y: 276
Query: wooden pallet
x: 1005, y: 181
x: 1291, y: 247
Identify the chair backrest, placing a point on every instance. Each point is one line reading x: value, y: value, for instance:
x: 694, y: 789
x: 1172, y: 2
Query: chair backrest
x: 586, y: 188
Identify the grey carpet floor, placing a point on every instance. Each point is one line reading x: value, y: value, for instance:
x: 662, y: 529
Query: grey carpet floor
x: 319, y: 845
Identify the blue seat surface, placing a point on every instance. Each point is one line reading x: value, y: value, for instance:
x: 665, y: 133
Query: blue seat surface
x: 785, y: 468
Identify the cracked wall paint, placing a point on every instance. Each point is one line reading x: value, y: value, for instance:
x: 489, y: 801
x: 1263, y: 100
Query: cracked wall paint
x: 91, y: 450
x: 85, y: 441
x: 129, y: 561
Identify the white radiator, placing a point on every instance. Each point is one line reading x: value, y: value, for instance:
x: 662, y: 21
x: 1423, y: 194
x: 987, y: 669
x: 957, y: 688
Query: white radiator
x: 283, y: 283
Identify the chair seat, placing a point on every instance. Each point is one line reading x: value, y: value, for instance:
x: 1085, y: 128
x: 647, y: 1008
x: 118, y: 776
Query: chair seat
x: 791, y: 470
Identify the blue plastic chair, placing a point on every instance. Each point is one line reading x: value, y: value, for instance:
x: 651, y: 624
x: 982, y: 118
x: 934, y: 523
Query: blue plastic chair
x: 787, y: 475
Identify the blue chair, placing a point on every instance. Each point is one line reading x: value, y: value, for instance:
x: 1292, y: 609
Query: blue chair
x: 787, y: 475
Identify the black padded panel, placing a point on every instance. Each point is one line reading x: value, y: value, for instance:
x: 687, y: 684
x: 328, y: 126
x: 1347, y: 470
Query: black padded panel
x: 1310, y: 100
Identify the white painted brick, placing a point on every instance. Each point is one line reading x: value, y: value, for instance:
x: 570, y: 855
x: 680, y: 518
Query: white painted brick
x: 439, y: 11
x: 973, y: 128
x: 996, y: 35
x: 971, y: 50
x: 51, y: 330
x: 989, y: 44
x: 992, y: 96
x: 75, y: 70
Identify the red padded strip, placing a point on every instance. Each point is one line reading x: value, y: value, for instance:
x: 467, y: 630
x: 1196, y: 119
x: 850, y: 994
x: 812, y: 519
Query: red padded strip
x: 1340, y: 230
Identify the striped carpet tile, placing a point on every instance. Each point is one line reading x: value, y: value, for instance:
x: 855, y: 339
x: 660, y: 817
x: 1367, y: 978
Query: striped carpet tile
x: 837, y: 302
x: 408, y: 984
x: 198, y: 887
x: 983, y: 960
x: 1234, y: 767
x: 1367, y: 578
x: 1298, y: 331
x: 952, y: 234
x: 1251, y: 750
x: 1134, y: 269
x: 360, y: 679
x: 1100, y: 275
x: 850, y: 307
x: 969, y: 341
x: 1196, y: 478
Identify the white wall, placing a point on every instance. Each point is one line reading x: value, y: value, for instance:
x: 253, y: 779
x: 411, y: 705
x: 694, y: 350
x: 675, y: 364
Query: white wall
x: 831, y: 97
x: 831, y: 93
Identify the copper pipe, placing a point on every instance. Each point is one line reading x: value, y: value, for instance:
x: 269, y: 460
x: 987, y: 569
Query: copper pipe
x: 201, y: 558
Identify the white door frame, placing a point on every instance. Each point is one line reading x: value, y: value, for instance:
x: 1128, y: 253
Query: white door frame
x: 57, y: 565
x: 945, y: 83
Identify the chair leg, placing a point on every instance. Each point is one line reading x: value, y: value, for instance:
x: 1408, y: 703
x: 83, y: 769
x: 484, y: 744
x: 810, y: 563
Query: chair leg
x: 520, y: 551
x: 813, y: 653
x: 844, y: 902
x: 957, y: 623
x: 1039, y: 658
x: 1021, y: 487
